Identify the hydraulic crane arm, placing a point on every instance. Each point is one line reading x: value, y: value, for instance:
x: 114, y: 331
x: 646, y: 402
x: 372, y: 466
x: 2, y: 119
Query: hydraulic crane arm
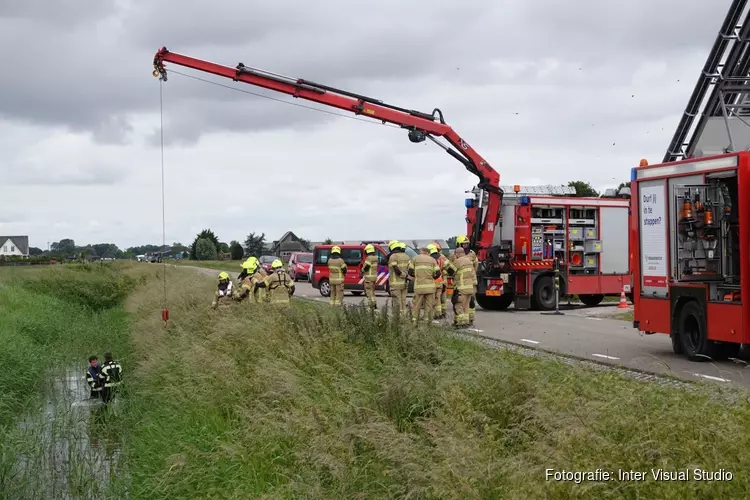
x: 420, y: 125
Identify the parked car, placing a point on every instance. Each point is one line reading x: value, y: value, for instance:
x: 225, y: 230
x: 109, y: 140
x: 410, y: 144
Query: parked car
x: 354, y: 256
x: 266, y: 261
x: 300, y: 265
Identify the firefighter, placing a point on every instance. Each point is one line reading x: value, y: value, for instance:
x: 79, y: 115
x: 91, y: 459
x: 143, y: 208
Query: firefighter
x: 424, y: 269
x: 336, y: 276
x: 111, y: 377
x: 463, y: 242
x: 369, y: 272
x: 462, y: 271
x: 223, y: 291
x: 279, y: 285
x: 435, y: 253
x: 398, y: 267
x: 92, y: 377
x: 247, y: 286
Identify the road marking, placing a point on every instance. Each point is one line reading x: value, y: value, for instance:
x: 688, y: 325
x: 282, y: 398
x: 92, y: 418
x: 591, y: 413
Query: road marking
x: 529, y: 341
x: 595, y: 319
x: 711, y: 377
x: 475, y: 330
x: 604, y: 356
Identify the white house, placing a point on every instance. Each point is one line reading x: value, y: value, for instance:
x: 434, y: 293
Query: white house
x: 14, y: 245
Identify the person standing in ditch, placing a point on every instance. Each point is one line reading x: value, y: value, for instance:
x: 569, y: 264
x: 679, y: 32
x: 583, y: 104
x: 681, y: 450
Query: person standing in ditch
x: 92, y: 377
x: 279, y: 285
x: 111, y: 377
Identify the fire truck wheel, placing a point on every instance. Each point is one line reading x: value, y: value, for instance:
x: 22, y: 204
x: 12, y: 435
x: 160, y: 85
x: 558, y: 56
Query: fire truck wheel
x: 500, y: 303
x: 325, y: 288
x: 591, y: 300
x: 677, y: 343
x: 544, y: 293
x: 693, y: 334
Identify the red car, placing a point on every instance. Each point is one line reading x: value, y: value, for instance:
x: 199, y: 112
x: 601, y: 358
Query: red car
x: 300, y: 265
x: 266, y: 261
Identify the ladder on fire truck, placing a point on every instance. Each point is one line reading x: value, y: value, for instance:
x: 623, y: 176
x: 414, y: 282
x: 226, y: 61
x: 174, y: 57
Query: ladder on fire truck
x: 717, y: 116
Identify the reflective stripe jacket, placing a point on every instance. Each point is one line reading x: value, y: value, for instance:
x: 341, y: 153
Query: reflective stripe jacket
x: 402, y: 261
x: 441, y: 263
x: 424, y: 269
x: 259, y: 294
x: 463, y: 279
x: 92, y: 378
x: 111, y: 374
x: 336, y: 271
x: 474, y: 263
x: 279, y: 286
x: 370, y: 268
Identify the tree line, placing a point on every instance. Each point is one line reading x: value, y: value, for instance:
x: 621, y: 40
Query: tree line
x: 207, y: 246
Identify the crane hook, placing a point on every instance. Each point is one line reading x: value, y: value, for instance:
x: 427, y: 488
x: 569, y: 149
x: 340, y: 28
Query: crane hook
x: 155, y: 73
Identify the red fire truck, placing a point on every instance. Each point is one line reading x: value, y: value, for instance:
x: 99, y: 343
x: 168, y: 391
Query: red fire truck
x: 689, y: 241
x: 686, y: 235
x: 587, y: 236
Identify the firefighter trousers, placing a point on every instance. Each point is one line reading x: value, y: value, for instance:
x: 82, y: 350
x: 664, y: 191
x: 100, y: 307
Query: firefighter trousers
x: 440, y: 304
x: 398, y: 299
x: 337, y: 294
x: 423, y: 301
x: 461, y: 308
x: 370, y: 294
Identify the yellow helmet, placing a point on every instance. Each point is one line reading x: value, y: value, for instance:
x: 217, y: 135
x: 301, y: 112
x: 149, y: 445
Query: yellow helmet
x: 393, y: 244
x: 250, y: 266
x: 253, y: 261
x: 432, y: 248
x: 402, y: 245
x: 336, y: 249
x: 460, y: 240
x: 276, y: 264
x: 223, y: 276
x: 369, y: 249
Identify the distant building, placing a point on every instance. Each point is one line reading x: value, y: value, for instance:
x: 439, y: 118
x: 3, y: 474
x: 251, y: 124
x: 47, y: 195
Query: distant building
x: 285, y: 246
x: 14, y: 245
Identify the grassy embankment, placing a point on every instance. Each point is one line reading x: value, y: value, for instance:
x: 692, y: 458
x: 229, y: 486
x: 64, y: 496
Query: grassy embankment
x: 311, y: 403
x: 51, y: 320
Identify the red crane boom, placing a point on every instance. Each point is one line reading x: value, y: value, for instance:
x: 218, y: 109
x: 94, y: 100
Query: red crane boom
x: 482, y: 213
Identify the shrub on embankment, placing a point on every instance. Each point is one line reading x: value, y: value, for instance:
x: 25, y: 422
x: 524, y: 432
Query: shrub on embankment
x: 51, y: 318
x: 313, y: 403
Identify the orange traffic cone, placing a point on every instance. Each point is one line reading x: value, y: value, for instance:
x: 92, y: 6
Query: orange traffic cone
x: 623, y: 301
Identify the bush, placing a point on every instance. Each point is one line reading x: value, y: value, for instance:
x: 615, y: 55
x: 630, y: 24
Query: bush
x: 237, y: 251
x: 205, y: 249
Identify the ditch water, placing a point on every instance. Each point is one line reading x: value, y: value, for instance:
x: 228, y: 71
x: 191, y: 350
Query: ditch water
x: 71, y: 448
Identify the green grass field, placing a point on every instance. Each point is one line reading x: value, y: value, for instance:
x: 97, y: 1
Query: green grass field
x: 254, y: 401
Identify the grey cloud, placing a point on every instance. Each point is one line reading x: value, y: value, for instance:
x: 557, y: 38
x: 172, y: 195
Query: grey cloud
x: 94, y: 75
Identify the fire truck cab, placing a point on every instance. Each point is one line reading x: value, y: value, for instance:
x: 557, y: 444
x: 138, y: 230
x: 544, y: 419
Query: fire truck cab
x: 354, y: 256
x: 687, y: 236
x: 587, y: 236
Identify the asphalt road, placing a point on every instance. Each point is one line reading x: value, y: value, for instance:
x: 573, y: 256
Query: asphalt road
x: 584, y: 332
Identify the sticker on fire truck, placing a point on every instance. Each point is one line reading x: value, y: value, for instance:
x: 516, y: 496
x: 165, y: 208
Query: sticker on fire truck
x: 653, y: 235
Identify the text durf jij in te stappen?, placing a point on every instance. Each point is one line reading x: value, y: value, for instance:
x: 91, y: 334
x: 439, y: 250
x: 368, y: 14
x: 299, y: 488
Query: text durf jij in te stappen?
x: 603, y: 475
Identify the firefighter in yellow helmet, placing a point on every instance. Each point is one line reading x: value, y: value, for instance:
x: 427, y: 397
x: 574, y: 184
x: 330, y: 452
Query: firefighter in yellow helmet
x: 223, y: 290
x: 435, y: 253
x: 424, y: 269
x: 246, y: 284
x: 398, y: 267
x: 279, y: 285
x: 369, y: 273
x: 336, y: 276
x: 462, y: 271
x: 255, y: 263
x: 463, y: 242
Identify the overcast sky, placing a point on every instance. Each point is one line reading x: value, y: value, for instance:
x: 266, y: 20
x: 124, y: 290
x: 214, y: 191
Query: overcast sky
x: 546, y: 91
